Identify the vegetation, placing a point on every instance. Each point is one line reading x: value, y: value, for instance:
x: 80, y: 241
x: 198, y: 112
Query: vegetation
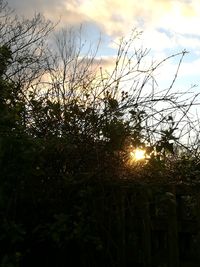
x: 67, y: 128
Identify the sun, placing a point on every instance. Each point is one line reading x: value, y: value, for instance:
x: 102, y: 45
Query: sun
x: 138, y: 154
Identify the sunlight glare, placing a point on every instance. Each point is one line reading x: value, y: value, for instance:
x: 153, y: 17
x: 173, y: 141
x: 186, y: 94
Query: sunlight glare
x: 138, y: 154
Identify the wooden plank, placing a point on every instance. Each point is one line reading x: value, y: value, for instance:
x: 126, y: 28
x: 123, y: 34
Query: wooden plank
x: 172, y: 232
x: 146, y: 235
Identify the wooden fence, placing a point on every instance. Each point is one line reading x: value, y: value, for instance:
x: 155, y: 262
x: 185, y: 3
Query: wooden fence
x: 152, y: 226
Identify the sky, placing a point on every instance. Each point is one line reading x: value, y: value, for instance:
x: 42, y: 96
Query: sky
x: 168, y: 26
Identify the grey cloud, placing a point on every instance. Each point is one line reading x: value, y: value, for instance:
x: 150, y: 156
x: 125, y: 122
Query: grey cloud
x: 46, y: 7
x: 56, y: 10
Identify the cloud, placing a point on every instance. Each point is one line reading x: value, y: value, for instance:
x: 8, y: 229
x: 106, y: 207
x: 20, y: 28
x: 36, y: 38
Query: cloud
x: 166, y: 23
x: 168, y: 26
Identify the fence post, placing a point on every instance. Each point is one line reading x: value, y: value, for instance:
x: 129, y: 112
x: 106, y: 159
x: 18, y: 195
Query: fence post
x: 198, y: 218
x: 146, y: 235
x: 122, y: 227
x: 172, y: 231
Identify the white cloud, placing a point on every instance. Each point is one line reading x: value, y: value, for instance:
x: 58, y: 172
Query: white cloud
x: 178, y: 19
x: 116, y: 18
